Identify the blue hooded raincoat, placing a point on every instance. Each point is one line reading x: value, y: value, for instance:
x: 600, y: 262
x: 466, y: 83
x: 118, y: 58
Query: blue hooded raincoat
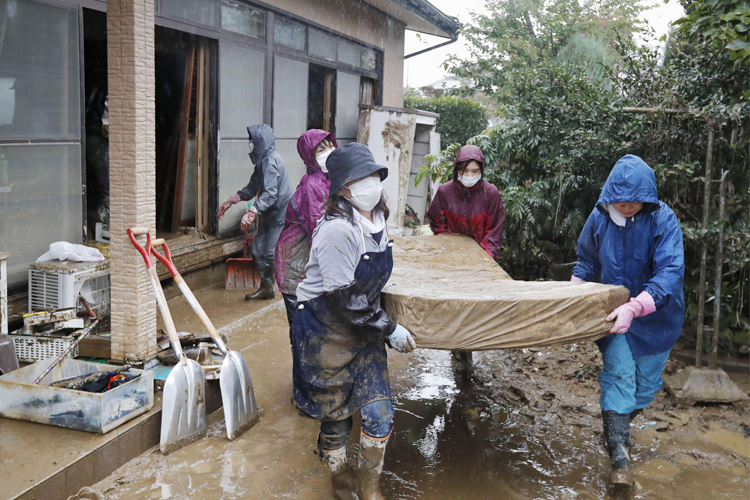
x: 647, y: 254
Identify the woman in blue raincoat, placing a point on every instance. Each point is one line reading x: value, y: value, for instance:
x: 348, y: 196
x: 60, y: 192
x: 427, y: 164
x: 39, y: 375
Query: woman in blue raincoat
x: 339, y: 332
x: 633, y: 239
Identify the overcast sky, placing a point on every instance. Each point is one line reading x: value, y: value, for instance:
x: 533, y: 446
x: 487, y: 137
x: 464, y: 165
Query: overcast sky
x: 426, y: 68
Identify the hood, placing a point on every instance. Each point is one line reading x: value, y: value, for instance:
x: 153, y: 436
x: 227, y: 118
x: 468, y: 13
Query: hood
x: 307, y: 143
x: 263, y: 142
x: 467, y: 153
x: 631, y: 180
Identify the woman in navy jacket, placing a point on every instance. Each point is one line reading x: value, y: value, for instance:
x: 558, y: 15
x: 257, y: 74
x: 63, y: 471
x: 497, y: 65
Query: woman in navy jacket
x: 633, y: 239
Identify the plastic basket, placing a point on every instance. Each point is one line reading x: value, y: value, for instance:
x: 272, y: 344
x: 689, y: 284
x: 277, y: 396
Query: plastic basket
x: 30, y: 349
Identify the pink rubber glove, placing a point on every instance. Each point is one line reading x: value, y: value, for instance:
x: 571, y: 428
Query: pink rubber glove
x: 637, y: 307
x: 248, y: 219
x: 228, y: 204
x: 576, y: 279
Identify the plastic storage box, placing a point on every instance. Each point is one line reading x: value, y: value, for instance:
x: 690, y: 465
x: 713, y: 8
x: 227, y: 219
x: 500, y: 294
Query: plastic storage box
x: 85, y: 411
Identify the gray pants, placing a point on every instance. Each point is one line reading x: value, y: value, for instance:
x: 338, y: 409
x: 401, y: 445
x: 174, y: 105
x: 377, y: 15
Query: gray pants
x: 264, y: 246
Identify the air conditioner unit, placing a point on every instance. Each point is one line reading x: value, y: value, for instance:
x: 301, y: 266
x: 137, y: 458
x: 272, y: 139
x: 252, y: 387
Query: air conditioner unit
x: 61, y: 284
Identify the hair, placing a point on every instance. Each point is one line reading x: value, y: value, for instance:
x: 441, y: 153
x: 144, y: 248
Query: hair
x: 338, y: 206
x: 327, y: 142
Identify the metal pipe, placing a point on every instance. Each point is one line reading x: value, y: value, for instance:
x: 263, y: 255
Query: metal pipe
x: 717, y: 280
x: 704, y: 251
x: 454, y: 39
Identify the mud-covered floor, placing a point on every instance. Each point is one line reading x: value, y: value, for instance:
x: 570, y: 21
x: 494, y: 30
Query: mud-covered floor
x: 526, y: 425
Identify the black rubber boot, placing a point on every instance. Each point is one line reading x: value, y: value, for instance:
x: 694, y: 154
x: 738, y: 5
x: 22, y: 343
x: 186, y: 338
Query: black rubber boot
x: 617, y: 439
x: 266, y: 290
x: 635, y: 413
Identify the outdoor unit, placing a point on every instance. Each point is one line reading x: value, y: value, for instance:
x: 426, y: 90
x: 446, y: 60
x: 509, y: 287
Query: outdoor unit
x: 59, y: 285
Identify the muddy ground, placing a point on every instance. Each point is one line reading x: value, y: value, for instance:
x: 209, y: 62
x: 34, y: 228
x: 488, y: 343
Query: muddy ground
x: 525, y: 425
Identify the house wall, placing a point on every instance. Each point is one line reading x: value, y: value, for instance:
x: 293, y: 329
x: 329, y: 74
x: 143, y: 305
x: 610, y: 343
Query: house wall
x: 367, y: 24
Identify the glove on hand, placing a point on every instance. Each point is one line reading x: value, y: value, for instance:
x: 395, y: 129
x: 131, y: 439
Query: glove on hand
x: 228, y: 204
x: 248, y: 219
x: 637, y: 307
x: 576, y: 279
x: 401, y: 340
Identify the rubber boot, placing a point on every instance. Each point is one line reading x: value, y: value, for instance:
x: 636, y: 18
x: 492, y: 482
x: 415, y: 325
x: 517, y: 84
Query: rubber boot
x: 635, y: 413
x: 463, y: 362
x: 371, y: 455
x: 617, y: 438
x: 342, y: 475
x: 266, y: 290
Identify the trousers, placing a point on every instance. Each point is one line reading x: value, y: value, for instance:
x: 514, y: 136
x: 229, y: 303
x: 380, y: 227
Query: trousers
x: 264, y: 246
x: 377, y: 422
x: 629, y: 384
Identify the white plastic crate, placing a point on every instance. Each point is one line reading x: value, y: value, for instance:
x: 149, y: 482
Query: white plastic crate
x: 32, y: 348
x: 59, y: 285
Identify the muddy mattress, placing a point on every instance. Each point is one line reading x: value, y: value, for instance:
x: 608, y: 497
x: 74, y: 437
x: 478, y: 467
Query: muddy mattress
x: 450, y: 294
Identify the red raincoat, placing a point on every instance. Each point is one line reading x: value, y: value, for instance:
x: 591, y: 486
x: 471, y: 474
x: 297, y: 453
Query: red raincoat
x: 477, y: 212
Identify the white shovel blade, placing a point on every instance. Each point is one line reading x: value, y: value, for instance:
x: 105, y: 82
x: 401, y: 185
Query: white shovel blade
x: 183, y: 417
x: 240, y: 410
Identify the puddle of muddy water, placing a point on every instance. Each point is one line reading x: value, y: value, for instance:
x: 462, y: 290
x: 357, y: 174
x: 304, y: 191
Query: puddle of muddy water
x: 451, y: 440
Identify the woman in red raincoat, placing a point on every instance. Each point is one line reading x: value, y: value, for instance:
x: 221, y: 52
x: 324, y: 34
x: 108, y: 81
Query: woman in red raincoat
x: 471, y: 206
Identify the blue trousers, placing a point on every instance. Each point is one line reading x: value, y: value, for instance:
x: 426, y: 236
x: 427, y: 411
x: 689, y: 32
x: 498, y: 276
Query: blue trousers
x: 377, y: 422
x: 629, y: 384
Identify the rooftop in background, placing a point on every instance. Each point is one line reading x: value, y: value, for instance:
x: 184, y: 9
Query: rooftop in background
x: 420, y: 16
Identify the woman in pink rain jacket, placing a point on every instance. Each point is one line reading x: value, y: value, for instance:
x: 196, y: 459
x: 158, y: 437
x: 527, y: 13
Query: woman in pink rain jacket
x: 302, y: 214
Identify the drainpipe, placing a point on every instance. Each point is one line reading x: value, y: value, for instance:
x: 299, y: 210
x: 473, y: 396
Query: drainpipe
x: 452, y: 40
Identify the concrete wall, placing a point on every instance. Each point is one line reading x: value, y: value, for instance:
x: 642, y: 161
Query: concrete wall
x: 365, y: 23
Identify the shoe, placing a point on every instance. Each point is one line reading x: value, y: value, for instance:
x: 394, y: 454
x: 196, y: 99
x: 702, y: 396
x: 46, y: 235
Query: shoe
x: 617, y: 439
x: 342, y: 475
x: 371, y: 456
x: 266, y: 290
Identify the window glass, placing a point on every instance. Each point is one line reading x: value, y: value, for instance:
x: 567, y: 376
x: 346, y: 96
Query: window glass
x: 289, y: 98
x: 243, y: 19
x: 241, y: 94
x: 349, y: 53
x: 39, y: 72
x: 369, y: 59
x: 295, y: 167
x: 347, y: 105
x: 322, y: 45
x: 207, y: 12
x: 287, y: 33
x: 241, y: 90
x: 235, y: 170
x: 41, y: 201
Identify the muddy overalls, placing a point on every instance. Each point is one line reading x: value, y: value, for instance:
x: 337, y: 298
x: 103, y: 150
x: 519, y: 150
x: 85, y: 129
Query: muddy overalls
x: 340, y: 363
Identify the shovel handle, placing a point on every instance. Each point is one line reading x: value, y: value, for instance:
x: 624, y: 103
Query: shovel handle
x: 161, y: 301
x: 166, y: 259
x: 134, y: 232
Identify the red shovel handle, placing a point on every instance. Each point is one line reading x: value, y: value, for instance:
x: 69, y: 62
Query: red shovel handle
x: 137, y: 231
x: 165, y: 259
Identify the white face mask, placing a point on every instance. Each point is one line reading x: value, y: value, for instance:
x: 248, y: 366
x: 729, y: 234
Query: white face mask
x: 321, y: 159
x: 366, y: 193
x: 469, y: 181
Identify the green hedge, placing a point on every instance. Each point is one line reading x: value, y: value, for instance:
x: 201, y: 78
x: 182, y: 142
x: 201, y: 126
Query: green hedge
x: 460, y: 118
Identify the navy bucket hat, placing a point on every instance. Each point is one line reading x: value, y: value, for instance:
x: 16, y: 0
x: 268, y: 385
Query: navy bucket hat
x: 351, y: 162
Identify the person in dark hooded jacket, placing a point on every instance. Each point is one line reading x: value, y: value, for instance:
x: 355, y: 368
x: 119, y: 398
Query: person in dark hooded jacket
x: 305, y: 208
x: 634, y: 240
x: 271, y: 187
x: 471, y: 206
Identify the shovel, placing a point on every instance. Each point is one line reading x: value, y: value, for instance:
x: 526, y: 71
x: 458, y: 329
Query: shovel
x: 242, y: 273
x: 183, y: 418
x: 240, y: 410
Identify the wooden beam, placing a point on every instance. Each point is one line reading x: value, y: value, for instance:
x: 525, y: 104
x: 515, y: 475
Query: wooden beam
x: 182, y: 143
